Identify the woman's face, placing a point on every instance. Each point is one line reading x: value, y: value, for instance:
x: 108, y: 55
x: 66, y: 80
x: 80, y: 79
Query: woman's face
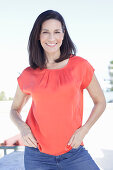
x: 51, y: 36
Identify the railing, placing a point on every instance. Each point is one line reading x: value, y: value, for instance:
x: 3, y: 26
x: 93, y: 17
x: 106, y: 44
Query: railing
x: 14, y: 148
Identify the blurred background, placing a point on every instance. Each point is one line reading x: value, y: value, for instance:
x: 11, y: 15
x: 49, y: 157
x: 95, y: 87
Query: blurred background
x: 90, y: 25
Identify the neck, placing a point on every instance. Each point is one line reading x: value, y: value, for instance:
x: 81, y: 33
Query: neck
x: 52, y: 57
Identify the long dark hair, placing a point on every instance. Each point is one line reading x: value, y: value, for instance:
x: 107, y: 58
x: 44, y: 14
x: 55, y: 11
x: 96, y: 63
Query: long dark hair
x: 37, y: 57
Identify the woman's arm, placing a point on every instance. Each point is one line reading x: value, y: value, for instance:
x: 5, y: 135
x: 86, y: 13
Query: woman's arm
x: 99, y: 101
x: 20, y: 99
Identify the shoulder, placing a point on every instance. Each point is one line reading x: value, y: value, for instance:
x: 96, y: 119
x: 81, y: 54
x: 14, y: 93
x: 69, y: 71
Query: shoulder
x: 79, y: 60
x: 81, y: 64
x: 27, y: 70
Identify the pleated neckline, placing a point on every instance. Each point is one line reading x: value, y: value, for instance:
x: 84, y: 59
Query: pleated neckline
x: 58, y: 69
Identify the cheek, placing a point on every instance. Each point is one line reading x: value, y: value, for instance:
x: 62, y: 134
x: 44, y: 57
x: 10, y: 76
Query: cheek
x: 43, y: 38
x: 60, y: 38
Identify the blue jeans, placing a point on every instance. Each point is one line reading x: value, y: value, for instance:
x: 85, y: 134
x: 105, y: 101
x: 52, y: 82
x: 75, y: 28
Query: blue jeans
x: 75, y: 159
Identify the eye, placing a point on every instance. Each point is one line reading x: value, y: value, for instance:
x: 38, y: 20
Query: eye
x: 44, y: 32
x: 57, y: 32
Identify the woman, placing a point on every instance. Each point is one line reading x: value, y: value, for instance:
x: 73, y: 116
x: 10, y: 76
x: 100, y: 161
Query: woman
x: 53, y: 132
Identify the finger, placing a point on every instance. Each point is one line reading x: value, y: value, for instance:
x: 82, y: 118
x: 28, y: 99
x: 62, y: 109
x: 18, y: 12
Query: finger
x: 30, y: 137
x: 32, y: 143
x: 70, y: 141
x: 28, y: 142
x: 33, y: 140
x: 25, y: 142
x: 76, y: 146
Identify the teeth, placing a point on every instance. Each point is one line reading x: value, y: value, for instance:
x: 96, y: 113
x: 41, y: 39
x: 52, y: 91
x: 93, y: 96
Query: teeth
x: 51, y: 44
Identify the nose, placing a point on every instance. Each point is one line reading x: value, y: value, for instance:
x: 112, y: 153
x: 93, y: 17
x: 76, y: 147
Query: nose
x: 51, y: 37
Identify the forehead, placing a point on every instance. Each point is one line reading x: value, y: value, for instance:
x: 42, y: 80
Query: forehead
x: 52, y: 23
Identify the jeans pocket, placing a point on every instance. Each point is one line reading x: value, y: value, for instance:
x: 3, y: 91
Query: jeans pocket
x: 31, y: 149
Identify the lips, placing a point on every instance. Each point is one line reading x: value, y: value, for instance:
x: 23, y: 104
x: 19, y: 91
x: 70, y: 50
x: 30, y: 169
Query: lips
x: 51, y: 45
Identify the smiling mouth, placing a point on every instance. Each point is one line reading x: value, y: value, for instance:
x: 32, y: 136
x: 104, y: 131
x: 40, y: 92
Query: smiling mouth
x: 51, y: 45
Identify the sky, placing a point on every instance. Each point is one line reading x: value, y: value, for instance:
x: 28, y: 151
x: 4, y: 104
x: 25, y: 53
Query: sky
x: 89, y: 22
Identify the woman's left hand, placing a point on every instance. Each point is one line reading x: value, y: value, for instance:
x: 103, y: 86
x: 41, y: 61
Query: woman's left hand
x: 78, y: 137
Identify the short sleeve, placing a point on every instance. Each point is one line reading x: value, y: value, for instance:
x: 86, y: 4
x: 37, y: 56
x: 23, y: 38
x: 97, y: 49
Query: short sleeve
x: 23, y: 81
x: 88, y: 72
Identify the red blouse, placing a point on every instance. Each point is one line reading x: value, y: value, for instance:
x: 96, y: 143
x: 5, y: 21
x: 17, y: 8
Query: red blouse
x: 57, y: 102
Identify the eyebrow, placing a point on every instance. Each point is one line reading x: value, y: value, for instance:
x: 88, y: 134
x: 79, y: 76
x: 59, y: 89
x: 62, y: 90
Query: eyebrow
x: 48, y: 30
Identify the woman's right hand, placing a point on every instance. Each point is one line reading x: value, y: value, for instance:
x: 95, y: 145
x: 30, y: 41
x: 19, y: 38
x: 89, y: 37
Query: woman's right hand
x: 27, y: 136
x: 20, y: 99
